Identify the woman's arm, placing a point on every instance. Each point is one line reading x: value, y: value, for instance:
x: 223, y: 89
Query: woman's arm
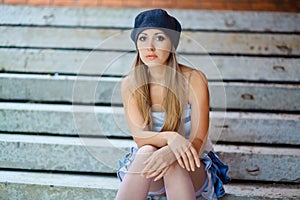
x: 139, y: 130
x: 199, y: 100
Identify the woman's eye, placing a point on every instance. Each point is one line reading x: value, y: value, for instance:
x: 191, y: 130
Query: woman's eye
x: 160, y: 38
x: 142, y: 38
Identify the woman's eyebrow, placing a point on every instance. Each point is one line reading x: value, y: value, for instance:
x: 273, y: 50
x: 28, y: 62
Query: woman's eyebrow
x: 154, y: 33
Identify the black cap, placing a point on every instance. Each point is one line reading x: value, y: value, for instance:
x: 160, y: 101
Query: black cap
x: 157, y: 18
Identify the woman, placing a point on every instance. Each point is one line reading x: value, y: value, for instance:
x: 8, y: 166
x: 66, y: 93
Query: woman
x: 167, y: 110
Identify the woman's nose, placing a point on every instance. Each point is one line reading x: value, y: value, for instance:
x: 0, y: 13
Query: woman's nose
x: 151, y: 46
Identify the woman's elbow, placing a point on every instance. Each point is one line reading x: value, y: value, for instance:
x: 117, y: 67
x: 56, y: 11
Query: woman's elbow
x: 138, y: 142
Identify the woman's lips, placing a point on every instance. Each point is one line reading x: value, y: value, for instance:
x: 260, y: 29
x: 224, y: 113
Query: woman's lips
x: 151, y: 56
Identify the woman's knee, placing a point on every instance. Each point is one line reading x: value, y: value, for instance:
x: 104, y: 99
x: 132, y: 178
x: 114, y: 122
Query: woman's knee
x: 141, y: 156
x: 147, y: 149
x: 144, y: 152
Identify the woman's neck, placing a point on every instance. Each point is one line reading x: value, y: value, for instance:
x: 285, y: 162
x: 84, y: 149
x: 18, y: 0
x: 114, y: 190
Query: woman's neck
x: 157, y: 74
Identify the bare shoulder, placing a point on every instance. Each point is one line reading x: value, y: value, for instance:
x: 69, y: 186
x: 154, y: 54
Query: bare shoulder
x: 199, y: 77
x: 196, y: 76
x: 125, y: 82
x: 198, y: 86
x: 126, y: 86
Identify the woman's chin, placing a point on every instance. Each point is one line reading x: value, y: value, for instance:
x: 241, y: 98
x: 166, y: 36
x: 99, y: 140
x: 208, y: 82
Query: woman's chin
x: 154, y: 64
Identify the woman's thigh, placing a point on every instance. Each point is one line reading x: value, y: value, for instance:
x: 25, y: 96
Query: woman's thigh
x: 157, y: 186
x: 198, y: 177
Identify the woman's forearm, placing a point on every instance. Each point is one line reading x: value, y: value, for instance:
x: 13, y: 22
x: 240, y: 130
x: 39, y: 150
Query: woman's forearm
x: 157, y: 139
x: 197, y: 144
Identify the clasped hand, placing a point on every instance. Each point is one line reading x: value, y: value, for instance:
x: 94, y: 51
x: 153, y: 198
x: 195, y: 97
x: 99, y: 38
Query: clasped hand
x: 179, y: 149
x: 184, y: 152
x: 158, y: 163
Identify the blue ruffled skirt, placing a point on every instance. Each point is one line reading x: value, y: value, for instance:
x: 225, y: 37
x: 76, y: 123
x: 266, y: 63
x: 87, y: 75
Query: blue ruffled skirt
x: 215, y: 168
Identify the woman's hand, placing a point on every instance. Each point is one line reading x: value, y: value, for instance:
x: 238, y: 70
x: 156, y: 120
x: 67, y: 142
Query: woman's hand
x: 158, y: 163
x: 184, y: 151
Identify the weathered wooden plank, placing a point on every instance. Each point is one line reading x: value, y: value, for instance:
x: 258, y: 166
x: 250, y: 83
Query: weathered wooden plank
x: 102, y: 155
x: 123, y: 18
x: 119, y: 63
x: 113, y: 39
x: 82, y: 89
x: 110, y: 121
x: 36, y: 185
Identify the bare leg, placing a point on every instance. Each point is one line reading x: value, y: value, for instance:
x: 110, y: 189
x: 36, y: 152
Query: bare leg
x: 134, y: 185
x: 178, y: 183
x: 198, y: 177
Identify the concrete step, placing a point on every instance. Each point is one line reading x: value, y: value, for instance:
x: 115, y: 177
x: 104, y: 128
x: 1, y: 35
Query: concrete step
x: 122, y: 18
x: 56, y: 153
x: 36, y: 185
x: 215, y: 67
x: 195, y: 42
x: 91, y: 90
x: 268, y: 128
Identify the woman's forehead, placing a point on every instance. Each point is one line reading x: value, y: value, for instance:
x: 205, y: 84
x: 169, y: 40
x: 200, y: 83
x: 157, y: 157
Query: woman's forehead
x: 152, y: 31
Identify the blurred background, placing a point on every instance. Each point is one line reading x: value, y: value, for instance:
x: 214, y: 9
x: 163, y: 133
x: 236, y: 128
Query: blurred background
x: 62, y: 126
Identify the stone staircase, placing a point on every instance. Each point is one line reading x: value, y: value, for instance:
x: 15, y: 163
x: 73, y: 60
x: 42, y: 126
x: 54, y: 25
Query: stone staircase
x: 62, y: 126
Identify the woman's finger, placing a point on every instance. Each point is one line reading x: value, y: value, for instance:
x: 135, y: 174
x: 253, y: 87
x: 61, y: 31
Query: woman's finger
x: 196, y: 156
x: 185, y: 161
x: 156, y: 172
x: 152, y: 167
x: 149, y: 168
x: 147, y: 161
x: 191, y: 160
x: 153, y: 174
x: 163, y: 172
x: 179, y: 160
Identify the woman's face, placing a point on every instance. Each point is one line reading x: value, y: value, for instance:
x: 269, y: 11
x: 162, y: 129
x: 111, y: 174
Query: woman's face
x: 154, y: 47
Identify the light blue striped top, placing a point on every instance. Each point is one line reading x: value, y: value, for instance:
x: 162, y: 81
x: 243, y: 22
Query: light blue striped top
x: 159, y: 117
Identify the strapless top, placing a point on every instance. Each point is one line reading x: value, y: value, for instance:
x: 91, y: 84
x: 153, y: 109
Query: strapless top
x: 158, y: 121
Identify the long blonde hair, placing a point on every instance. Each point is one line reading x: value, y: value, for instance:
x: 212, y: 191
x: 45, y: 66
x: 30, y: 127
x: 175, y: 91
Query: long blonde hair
x: 174, y: 94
